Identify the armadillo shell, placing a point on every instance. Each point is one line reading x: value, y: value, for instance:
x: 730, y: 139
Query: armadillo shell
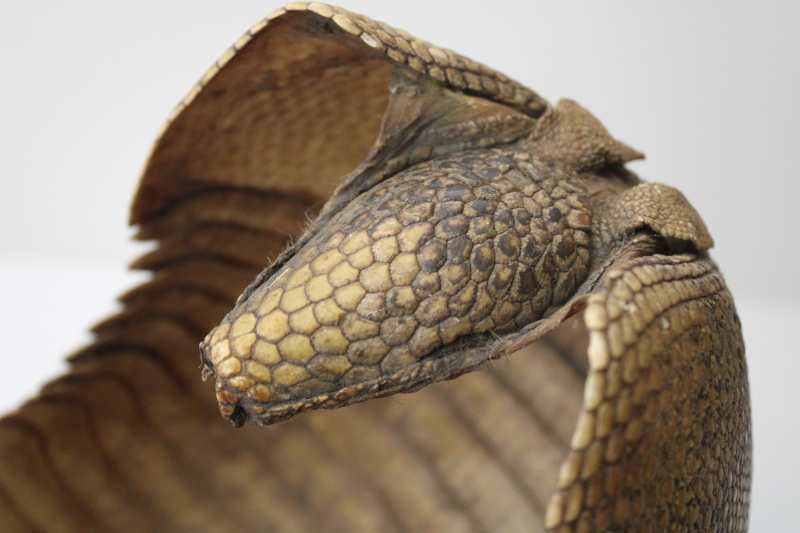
x: 650, y: 431
x: 296, y: 104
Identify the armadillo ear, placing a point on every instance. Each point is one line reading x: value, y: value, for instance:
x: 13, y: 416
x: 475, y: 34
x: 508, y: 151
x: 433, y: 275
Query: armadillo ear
x: 573, y: 136
x: 663, y: 209
x: 296, y: 104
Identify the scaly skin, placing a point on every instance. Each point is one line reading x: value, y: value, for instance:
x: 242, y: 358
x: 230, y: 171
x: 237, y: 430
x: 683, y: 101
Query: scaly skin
x: 475, y: 221
x: 485, y: 241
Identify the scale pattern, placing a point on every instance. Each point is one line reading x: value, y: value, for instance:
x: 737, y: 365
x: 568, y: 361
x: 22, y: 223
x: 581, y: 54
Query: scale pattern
x: 447, y: 67
x: 129, y: 439
x: 486, y: 241
x: 662, y: 442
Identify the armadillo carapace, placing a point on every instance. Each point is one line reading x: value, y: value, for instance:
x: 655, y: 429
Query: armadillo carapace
x: 440, y: 217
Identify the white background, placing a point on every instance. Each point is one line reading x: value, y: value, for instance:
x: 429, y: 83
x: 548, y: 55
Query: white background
x: 710, y: 91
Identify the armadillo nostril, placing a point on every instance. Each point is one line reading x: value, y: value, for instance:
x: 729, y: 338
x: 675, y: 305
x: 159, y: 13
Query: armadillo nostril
x: 239, y: 416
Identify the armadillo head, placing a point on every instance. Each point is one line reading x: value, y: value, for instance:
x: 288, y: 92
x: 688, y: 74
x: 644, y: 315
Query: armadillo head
x: 419, y: 276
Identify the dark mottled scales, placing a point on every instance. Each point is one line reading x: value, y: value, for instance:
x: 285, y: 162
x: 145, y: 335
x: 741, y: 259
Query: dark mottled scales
x: 448, y: 209
x: 459, y: 245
